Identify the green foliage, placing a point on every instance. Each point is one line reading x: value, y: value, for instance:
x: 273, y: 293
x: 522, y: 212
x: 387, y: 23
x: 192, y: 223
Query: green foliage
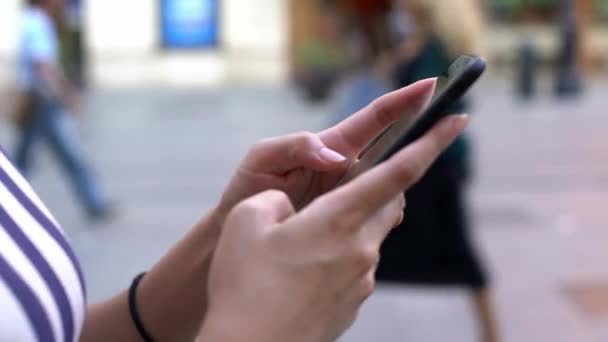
x: 320, y: 54
x: 601, y: 9
x: 513, y: 7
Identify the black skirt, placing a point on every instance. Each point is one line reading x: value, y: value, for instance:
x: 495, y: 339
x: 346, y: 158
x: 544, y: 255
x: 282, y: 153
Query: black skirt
x: 432, y: 246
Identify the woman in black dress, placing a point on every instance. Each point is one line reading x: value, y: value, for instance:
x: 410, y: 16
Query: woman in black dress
x: 432, y: 246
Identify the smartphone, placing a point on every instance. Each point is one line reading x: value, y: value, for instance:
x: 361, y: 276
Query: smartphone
x: 458, y: 79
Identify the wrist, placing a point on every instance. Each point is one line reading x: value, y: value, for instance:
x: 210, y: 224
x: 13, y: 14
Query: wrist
x: 172, y: 298
x: 226, y: 328
x: 211, y: 332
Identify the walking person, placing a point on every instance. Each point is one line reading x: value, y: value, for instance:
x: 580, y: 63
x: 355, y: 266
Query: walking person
x: 51, y: 97
x: 367, y: 77
x: 433, y: 246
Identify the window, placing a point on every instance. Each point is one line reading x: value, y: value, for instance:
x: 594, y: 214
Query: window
x: 189, y: 23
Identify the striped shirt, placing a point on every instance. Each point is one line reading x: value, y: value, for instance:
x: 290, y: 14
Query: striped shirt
x: 42, y: 296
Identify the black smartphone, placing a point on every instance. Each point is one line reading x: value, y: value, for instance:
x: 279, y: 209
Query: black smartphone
x: 458, y: 79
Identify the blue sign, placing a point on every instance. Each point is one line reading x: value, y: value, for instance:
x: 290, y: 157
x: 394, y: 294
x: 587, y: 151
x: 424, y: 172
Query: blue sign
x: 189, y: 23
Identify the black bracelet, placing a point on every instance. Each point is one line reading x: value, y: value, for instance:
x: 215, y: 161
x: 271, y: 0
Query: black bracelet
x: 134, y: 312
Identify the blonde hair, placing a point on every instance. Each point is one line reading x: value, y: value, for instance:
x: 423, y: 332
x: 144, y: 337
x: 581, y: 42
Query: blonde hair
x: 457, y: 23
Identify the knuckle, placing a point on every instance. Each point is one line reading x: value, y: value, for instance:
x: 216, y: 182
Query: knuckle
x: 401, y: 218
x: 369, y: 286
x: 337, y: 220
x: 365, y: 259
x: 341, y: 215
x: 305, y: 138
x: 437, y: 140
x: 262, y: 204
x: 341, y: 223
x: 302, y: 142
x: 310, y: 141
x: 384, y: 115
x: 234, y: 220
x: 409, y: 172
x: 269, y: 205
x: 277, y: 196
x: 337, y: 224
x: 247, y: 208
x: 326, y: 263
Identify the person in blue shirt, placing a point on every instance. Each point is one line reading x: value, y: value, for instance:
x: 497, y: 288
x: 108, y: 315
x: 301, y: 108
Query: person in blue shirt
x: 52, y: 97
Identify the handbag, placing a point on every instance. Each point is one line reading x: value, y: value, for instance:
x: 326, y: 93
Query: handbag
x: 23, y: 108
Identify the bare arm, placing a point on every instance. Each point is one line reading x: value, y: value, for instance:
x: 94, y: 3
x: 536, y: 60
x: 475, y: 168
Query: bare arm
x: 171, y: 297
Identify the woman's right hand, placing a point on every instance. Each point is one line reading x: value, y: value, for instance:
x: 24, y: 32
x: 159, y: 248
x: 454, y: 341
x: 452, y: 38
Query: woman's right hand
x: 306, y: 165
x: 278, y: 275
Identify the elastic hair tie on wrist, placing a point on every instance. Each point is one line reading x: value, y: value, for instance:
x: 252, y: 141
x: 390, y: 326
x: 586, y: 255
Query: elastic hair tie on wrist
x: 134, y: 312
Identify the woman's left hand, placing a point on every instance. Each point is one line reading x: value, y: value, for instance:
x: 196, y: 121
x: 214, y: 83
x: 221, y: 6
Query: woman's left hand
x: 306, y: 165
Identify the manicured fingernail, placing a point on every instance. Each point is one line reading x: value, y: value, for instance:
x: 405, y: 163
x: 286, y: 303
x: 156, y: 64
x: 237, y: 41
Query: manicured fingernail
x: 454, y: 124
x: 431, y: 79
x: 459, y: 121
x: 331, y: 156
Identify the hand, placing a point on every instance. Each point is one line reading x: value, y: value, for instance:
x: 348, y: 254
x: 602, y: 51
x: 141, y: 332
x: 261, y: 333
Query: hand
x: 306, y: 165
x: 278, y: 275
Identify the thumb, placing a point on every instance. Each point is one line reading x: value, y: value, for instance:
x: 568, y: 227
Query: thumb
x: 293, y: 151
x: 262, y: 210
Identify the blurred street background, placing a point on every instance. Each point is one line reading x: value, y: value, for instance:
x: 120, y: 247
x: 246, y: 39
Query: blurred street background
x: 169, y: 110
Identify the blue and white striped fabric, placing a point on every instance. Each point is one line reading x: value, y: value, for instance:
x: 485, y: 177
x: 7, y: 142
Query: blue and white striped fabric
x: 42, y: 296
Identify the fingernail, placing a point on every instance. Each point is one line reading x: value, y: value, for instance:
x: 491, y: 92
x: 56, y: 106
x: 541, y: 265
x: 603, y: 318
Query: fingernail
x: 459, y: 121
x: 431, y: 79
x: 331, y: 156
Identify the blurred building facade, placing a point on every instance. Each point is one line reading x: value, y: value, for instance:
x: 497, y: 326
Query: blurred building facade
x: 125, y: 41
x: 509, y: 23
x: 128, y: 42
x: 538, y: 21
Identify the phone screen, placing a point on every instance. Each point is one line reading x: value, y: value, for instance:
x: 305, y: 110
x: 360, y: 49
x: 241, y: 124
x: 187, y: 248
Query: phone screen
x: 449, y: 88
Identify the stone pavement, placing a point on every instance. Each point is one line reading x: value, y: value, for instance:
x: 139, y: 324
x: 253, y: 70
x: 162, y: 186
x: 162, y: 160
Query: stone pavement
x: 540, y: 200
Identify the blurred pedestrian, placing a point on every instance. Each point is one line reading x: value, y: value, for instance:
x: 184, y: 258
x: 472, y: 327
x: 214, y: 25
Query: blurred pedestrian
x: 366, y: 78
x: 368, y: 61
x: 433, y: 246
x: 50, y: 96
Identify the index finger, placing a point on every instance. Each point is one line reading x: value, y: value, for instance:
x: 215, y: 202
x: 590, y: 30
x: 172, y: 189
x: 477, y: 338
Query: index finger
x: 352, y: 135
x: 365, y: 195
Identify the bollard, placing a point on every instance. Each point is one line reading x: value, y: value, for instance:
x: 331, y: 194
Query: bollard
x: 568, y: 80
x: 528, y: 71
